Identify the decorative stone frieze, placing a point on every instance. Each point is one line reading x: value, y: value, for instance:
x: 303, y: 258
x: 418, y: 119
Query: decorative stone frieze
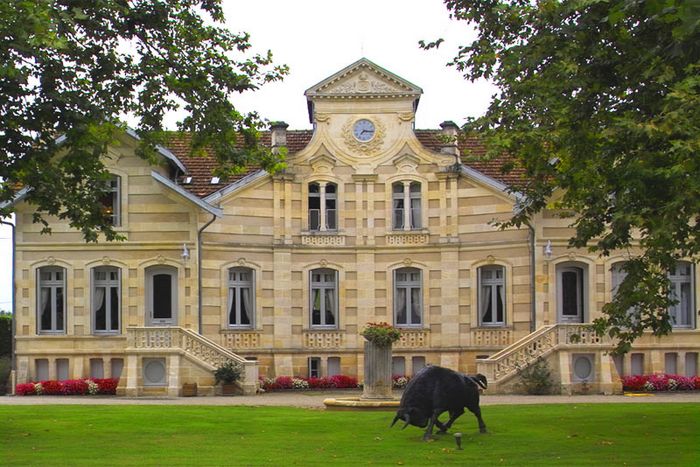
x: 323, y: 339
x: 236, y: 340
x: 495, y: 337
x: 323, y: 240
x: 407, y: 238
x: 413, y: 339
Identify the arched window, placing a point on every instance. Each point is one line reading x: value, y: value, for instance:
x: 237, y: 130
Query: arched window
x: 323, y: 202
x: 241, y: 297
x: 106, y: 309
x: 408, y: 297
x: 492, y: 295
x: 51, y: 299
x: 406, y: 205
x: 324, y: 298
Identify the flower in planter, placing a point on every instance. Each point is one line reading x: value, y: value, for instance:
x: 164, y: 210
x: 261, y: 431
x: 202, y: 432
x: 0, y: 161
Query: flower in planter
x: 381, y: 334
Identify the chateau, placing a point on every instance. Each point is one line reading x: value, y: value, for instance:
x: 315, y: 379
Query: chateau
x: 373, y: 220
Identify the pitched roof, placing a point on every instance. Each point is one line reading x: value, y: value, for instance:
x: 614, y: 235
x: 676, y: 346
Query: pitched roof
x: 201, y: 168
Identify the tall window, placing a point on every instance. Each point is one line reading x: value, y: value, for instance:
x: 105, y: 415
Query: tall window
x: 408, y: 297
x: 105, y: 299
x: 51, y: 299
x: 241, y: 297
x: 406, y: 205
x: 111, y: 201
x: 492, y: 297
x: 324, y: 298
x: 681, y: 277
x: 323, y: 200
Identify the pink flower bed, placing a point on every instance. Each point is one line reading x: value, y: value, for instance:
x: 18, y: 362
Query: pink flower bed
x: 660, y: 382
x: 288, y: 382
x: 70, y: 387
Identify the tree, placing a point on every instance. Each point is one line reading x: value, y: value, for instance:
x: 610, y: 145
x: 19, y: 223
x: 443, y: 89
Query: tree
x: 72, y: 70
x: 601, y: 100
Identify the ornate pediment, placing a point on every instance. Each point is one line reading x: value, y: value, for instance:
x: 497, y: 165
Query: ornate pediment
x: 363, y: 78
x: 322, y: 163
x: 407, y: 163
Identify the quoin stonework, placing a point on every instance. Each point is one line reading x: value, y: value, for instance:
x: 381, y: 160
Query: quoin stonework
x: 373, y: 220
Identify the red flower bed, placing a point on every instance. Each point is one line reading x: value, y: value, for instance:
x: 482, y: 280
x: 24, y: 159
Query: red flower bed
x: 287, y: 382
x: 70, y: 387
x: 660, y: 382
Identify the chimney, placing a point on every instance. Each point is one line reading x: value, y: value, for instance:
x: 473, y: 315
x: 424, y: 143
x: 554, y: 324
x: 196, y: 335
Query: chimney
x: 450, y: 130
x: 278, y: 134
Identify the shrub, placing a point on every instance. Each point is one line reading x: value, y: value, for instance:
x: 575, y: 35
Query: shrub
x: 660, y: 382
x: 319, y: 383
x: 343, y: 382
x: 5, y: 333
x: 300, y: 383
x: 71, y: 387
x: 5, y: 368
x: 228, y: 373
x: 536, y: 378
x: 25, y: 389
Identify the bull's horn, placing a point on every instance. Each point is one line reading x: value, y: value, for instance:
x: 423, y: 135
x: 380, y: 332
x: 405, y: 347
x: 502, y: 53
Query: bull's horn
x: 408, y: 421
x: 395, y: 419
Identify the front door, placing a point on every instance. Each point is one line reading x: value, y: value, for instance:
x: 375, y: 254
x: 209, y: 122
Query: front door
x: 161, y: 296
x: 570, y: 294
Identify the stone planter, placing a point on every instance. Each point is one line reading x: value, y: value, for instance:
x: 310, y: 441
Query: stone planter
x: 378, y: 384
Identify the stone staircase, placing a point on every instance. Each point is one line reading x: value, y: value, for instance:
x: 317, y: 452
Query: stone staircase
x: 561, y: 345
x: 187, y: 357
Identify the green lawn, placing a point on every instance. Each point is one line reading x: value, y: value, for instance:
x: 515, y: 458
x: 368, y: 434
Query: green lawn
x: 601, y: 434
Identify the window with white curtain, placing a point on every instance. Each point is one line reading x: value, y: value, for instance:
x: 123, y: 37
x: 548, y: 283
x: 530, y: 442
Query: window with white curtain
x: 323, y: 206
x: 51, y: 299
x: 681, y: 277
x: 241, y: 298
x: 106, y: 310
x: 406, y: 205
x: 492, y: 295
x: 324, y: 298
x: 408, y: 297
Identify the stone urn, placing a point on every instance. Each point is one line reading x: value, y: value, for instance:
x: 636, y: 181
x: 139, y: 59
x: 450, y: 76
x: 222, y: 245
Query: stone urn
x: 378, y: 384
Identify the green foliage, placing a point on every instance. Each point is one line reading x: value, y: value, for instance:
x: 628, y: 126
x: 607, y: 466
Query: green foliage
x: 76, y: 68
x: 557, y: 434
x: 228, y: 373
x: 601, y: 100
x: 536, y: 379
x: 5, y: 368
x: 381, y: 334
x: 5, y: 334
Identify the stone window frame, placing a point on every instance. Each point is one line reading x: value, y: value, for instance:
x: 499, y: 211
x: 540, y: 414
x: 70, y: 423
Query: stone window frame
x: 237, y: 286
x: 493, y: 284
x: 313, y: 285
x: 53, y: 286
x: 107, y: 283
x: 408, y: 285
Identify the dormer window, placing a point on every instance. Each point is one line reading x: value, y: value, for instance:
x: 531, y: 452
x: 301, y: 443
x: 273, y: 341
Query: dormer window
x: 323, y: 200
x: 111, y: 201
x: 406, y: 205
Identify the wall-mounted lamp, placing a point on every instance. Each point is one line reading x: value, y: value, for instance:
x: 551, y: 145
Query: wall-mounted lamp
x: 548, y: 249
x: 185, y: 253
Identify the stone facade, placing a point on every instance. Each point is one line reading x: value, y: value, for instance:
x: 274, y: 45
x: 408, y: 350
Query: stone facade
x: 372, y: 220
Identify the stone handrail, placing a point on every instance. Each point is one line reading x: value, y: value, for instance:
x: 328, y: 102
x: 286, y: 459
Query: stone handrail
x: 538, y: 344
x: 208, y: 353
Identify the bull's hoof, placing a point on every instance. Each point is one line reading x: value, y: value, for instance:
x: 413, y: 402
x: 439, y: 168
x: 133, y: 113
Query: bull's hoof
x: 482, y: 430
x: 427, y: 438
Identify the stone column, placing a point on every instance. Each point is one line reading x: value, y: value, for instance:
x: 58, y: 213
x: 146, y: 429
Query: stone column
x: 377, y: 384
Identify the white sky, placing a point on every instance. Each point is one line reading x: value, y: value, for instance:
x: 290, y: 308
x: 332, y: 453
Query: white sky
x: 317, y: 38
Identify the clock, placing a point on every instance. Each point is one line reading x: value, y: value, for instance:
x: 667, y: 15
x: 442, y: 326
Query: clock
x: 363, y: 130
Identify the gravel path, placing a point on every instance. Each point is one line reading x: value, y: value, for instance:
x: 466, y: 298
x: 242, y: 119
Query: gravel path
x: 314, y: 399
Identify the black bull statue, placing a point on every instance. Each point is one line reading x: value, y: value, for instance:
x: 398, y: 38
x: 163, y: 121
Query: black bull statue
x: 435, y: 390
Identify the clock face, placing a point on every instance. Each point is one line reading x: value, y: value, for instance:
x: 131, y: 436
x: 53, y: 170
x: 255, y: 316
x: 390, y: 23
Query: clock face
x: 363, y: 130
